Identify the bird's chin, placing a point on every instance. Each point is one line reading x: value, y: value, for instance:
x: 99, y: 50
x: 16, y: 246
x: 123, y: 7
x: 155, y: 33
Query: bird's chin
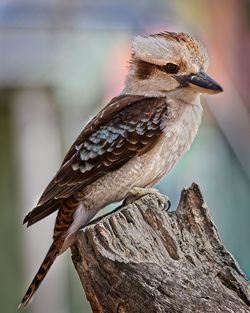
x: 185, y: 95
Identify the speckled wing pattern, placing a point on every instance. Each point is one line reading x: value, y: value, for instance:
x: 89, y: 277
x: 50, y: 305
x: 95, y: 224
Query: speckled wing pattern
x: 128, y: 126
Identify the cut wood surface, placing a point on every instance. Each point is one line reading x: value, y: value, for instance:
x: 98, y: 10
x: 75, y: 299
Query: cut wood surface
x: 143, y: 259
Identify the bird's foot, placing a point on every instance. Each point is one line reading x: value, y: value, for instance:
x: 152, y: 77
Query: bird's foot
x: 137, y: 192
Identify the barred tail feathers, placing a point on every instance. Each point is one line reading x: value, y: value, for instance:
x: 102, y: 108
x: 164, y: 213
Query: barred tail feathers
x: 49, y: 259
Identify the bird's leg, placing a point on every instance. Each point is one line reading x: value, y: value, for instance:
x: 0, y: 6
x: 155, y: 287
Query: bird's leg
x: 138, y: 192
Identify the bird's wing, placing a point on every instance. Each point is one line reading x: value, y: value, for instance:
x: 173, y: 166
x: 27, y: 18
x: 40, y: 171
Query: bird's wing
x: 128, y: 126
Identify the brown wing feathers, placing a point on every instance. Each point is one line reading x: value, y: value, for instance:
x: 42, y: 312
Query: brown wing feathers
x: 130, y: 132
x: 41, y: 211
x: 129, y: 126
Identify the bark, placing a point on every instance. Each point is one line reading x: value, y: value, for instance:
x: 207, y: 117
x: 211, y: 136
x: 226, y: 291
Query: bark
x: 143, y: 259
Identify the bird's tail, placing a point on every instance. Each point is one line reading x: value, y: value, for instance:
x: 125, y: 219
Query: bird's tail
x: 50, y: 257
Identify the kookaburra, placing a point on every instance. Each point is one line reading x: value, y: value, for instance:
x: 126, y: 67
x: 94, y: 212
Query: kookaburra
x: 132, y: 142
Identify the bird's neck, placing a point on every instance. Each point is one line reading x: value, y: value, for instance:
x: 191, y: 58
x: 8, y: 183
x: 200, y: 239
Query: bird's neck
x: 142, y: 87
x: 186, y: 96
x: 150, y: 88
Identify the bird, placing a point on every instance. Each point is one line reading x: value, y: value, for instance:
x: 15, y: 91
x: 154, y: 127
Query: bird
x: 134, y: 141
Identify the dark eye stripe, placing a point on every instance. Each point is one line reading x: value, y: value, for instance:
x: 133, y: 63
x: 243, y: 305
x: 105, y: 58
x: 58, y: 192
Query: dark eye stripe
x: 144, y: 70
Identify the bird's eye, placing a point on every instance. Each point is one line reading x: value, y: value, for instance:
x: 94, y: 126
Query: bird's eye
x: 171, y: 68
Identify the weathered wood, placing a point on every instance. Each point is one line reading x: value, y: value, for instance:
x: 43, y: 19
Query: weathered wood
x: 142, y: 259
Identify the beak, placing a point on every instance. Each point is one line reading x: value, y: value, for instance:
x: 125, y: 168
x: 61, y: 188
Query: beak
x: 201, y: 82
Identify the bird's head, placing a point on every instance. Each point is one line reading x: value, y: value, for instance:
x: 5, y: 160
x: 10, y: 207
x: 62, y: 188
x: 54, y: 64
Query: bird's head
x: 169, y: 62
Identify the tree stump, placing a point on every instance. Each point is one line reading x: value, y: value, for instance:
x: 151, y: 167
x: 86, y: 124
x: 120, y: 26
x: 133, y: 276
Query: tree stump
x: 143, y: 259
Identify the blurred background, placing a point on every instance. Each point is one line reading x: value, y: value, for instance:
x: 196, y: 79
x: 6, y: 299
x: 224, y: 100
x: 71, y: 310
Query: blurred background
x: 60, y: 62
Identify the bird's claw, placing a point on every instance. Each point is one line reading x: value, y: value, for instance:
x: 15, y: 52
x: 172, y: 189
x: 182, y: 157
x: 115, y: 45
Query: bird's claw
x: 138, y: 192
x: 167, y: 205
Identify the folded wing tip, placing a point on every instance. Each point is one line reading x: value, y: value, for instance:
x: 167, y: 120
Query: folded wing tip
x: 26, y: 219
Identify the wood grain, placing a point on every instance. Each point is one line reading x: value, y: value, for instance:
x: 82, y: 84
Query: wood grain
x: 143, y: 259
